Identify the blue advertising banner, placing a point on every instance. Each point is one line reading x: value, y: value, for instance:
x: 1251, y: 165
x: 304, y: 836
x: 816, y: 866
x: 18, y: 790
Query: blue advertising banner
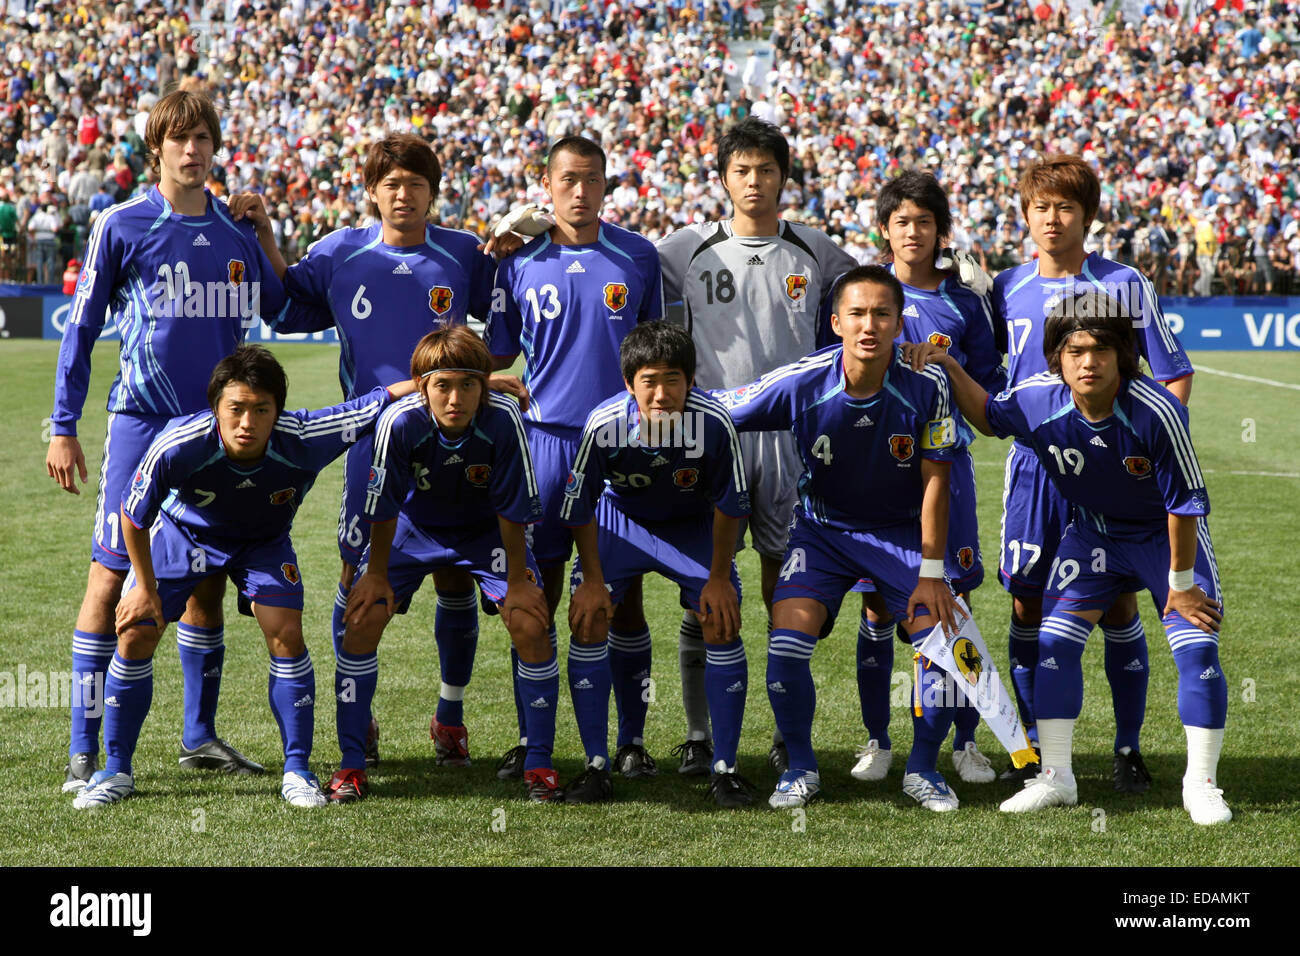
x: 1229, y: 323
x: 1235, y: 323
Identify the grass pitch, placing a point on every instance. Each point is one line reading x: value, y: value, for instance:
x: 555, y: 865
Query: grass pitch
x: 1247, y: 435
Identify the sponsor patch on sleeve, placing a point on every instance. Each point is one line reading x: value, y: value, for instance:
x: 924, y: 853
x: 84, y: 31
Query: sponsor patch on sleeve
x: 939, y: 433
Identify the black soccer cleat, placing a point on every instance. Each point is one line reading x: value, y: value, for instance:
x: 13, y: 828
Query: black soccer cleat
x: 731, y: 790
x: 1130, y: 773
x: 634, y: 763
x: 697, y: 758
x: 81, y: 767
x: 219, y: 755
x: 511, y: 766
x: 1022, y: 775
x: 778, y: 757
x: 593, y: 785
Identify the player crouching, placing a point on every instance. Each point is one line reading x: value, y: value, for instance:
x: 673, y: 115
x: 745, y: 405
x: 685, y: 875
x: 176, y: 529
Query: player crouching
x: 224, y: 486
x: 675, y: 497
x: 451, y: 487
x: 877, y: 441
x: 1116, y: 445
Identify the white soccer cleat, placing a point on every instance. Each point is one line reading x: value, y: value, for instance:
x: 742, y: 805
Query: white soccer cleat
x: 873, y: 763
x: 526, y: 220
x: 796, y: 788
x: 302, y: 790
x: 105, y: 788
x: 931, y: 791
x: 972, y: 766
x: 1204, y: 801
x: 1049, y: 789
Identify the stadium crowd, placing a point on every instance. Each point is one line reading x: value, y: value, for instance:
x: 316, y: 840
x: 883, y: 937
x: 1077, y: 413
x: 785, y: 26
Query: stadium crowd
x: 1190, y: 115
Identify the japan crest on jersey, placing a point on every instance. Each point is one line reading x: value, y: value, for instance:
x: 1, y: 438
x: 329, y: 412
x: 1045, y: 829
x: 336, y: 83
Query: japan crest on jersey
x: 290, y: 572
x: 283, y: 496
x: 440, y: 299
x: 796, y: 287
x: 939, y: 339
x: 615, y: 295
x: 901, y: 446
x: 966, y: 558
x: 235, y: 269
x: 686, y: 477
x: 1137, y: 466
x: 478, y: 474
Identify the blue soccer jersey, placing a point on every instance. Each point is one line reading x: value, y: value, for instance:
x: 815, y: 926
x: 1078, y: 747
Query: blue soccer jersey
x: 861, y: 457
x: 961, y: 323
x: 182, y: 290
x: 462, y: 482
x: 383, y: 299
x: 1022, y: 299
x: 188, y: 476
x: 699, y: 469
x: 568, y: 308
x: 1123, y: 474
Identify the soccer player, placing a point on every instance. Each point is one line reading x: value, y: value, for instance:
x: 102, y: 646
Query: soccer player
x: 1116, y: 446
x: 914, y: 217
x: 675, y: 498
x: 1059, y: 196
x: 451, y: 486
x: 753, y: 289
x: 567, y: 299
x: 225, y: 485
x: 877, y: 441
x: 184, y: 283
x: 384, y: 287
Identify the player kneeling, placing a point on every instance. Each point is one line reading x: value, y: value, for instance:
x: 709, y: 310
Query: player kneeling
x: 676, y: 493
x: 451, y: 487
x: 224, y: 486
x: 877, y: 441
x: 1116, y: 445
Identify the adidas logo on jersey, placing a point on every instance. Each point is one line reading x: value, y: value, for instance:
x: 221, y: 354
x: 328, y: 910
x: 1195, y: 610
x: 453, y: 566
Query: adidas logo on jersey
x: 212, y: 672
x: 911, y: 312
x: 658, y: 460
x: 737, y: 688
x: 1050, y: 664
x: 575, y: 267
x: 111, y: 702
x: 776, y: 688
x: 1134, y: 665
x: 1096, y: 440
x: 868, y: 662
x: 246, y: 483
x: 754, y: 261
x: 642, y: 674
x: 540, y: 704
x: 863, y: 422
x: 583, y: 684
x: 201, y: 240
x: 402, y: 269
x: 305, y: 700
x: 454, y: 460
x: 1209, y: 673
